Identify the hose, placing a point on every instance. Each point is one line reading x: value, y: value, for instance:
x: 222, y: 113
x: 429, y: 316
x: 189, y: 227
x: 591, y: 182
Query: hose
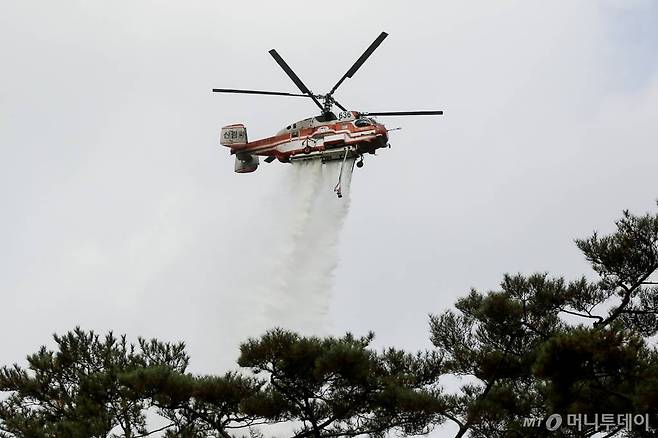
x: 340, y: 175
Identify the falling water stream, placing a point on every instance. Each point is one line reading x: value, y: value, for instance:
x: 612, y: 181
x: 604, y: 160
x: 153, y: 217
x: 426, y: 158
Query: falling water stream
x: 308, y: 254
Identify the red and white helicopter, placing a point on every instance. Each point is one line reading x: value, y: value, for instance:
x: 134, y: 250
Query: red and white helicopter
x: 326, y: 137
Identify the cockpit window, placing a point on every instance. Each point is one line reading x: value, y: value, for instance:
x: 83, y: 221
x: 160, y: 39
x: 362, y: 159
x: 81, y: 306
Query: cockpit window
x: 288, y: 127
x: 362, y: 122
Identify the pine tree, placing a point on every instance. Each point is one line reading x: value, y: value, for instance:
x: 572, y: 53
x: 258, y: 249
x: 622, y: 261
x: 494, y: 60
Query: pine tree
x: 538, y: 346
x: 103, y: 387
x: 76, y: 391
x: 333, y: 387
x: 542, y: 345
x: 196, y: 406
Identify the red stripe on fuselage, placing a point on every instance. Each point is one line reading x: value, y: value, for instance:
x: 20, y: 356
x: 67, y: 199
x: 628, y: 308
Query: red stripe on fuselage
x: 266, y: 145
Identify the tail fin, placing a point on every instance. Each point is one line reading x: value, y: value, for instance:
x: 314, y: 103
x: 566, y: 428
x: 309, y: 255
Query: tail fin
x: 234, y: 136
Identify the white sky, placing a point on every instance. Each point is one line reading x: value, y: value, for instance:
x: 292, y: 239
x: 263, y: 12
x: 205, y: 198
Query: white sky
x: 118, y: 210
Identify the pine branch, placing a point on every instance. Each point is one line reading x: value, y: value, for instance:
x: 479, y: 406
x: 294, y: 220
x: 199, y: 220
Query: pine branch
x: 626, y: 299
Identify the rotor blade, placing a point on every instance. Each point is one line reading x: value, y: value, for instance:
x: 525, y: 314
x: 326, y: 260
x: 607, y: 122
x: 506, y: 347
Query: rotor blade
x: 303, y: 88
x: 339, y: 105
x: 405, y: 113
x: 270, y: 93
x: 359, y: 62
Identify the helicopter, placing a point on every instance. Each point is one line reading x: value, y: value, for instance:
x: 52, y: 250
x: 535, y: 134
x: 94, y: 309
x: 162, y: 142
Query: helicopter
x: 326, y: 137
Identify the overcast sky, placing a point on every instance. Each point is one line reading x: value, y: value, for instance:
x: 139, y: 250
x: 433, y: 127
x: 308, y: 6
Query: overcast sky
x: 119, y: 210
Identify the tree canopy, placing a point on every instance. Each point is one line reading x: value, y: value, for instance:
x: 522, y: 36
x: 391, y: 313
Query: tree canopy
x: 536, y: 347
x: 338, y: 387
x: 76, y: 391
x: 543, y: 345
x: 323, y: 387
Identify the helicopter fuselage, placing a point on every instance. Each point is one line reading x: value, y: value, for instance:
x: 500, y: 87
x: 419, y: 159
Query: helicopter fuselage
x: 325, y: 137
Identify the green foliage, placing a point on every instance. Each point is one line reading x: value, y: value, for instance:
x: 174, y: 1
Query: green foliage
x: 543, y: 345
x: 538, y: 345
x: 628, y: 256
x: 76, y: 391
x: 592, y: 371
x: 338, y: 386
x: 195, y: 405
x: 100, y: 387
